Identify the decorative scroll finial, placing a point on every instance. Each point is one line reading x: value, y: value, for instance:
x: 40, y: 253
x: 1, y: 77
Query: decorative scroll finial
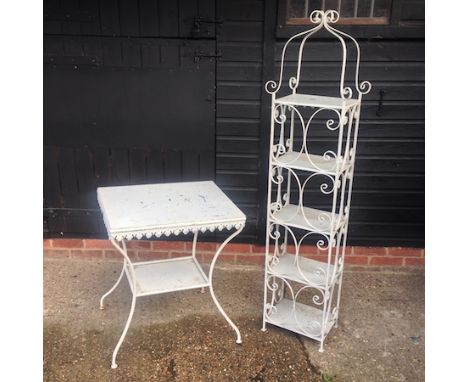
x: 323, y: 19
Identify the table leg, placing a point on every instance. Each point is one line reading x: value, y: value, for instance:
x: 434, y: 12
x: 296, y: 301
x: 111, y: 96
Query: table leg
x: 123, y: 251
x: 101, y: 303
x: 194, y: 252
x: 210, y: 280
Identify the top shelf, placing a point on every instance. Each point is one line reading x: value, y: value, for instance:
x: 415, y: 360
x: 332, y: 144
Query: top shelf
x: 316, y: 101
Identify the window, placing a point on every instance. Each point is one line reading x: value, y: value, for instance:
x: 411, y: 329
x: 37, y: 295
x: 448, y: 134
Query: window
x: 353, y: 12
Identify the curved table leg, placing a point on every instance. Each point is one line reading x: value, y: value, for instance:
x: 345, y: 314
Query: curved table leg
x: 101, y: 302
x: 124, y: 333
x: 123, y: 251
x: 210, y: 279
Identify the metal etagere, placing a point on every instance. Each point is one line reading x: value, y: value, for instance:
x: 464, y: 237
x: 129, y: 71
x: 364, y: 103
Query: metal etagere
x: 312, y: 151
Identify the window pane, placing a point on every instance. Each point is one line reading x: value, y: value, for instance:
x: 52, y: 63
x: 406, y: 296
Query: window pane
x: 315, y: 5
x: 363, y: 10
x: 347, y: 8
x: 296, y: 9
x: 382, y: 8
x: 332, y: 4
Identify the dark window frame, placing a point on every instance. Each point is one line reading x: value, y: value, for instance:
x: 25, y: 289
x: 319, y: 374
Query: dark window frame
x: 397, y: 26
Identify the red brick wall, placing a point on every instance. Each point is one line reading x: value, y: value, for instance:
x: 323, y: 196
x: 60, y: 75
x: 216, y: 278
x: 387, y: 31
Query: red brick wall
x: 357, y: 258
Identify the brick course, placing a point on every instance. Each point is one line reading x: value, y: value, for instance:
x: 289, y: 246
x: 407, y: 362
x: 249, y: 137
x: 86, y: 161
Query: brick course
x: 357, y: 258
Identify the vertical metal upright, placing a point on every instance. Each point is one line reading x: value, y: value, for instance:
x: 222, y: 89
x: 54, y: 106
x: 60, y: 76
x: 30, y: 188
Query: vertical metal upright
x: 309, y: 190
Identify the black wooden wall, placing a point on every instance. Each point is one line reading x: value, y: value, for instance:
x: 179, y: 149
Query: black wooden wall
x: 388, y: 203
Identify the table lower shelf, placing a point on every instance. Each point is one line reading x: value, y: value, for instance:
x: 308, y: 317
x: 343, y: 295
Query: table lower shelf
x: 303, y: 319
x: 162, y: 276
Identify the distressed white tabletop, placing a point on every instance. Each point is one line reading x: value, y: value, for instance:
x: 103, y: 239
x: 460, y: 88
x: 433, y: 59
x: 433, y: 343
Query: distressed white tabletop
x: 166, y: 208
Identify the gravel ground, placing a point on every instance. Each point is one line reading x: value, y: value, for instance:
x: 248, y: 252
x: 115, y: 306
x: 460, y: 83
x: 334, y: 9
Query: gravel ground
x: 181, y: 336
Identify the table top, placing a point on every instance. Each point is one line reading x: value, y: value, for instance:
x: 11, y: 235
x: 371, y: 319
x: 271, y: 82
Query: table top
x: 166, y: 209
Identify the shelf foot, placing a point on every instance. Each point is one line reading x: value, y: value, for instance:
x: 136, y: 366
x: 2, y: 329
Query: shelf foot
x: 238, y: 341
x: 321, y: 348
x: 114, y: 366
x: 202, y: 290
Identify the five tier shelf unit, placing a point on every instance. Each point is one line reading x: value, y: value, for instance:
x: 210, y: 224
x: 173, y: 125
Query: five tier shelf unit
x: 311, y: 164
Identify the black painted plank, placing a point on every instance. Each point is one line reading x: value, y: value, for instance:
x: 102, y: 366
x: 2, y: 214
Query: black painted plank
x: 138, y: 165
x: 109, y: 12
x: 172, y: 166
x: 316, y: 71
x: 188, y: 11
x: 102, y: 166
x: 241, y: 10
x: 150, y: 55
x: 112, y: 52
x: 240, y: 31
x: 190, y: 165
x: 368, y: 198
x: 92, y: 26
x: 206, y: 9
x: 87, y: 183
x: 168, y: 18
x: 51, y: 24
x: 131, y: 54
x: 149, y: 20
x: 237, y: 145
x: 207, y: 165
x: 247, y: 71
x: 238, y: 127
x: 51, y: 185
x: 238, y: 108
x: 155, y: 166
x: 70, y: 25
x: 238, y: 91
x: 370, y: 51
x: 236, y: 162
x: 120, y: 166
x: 129, y: 18
x: 68, y: 178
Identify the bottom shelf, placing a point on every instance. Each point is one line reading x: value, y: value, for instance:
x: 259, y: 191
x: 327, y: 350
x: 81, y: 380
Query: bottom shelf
x: 307, y: 320
x: 162, y: 276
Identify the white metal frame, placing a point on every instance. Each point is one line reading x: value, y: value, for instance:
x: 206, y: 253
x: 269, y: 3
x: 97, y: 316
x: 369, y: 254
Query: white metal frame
x: 291, y: 165
x: 193, y: 275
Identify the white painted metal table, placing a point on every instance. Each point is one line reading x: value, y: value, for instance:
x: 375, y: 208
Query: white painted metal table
x: 145, y: 211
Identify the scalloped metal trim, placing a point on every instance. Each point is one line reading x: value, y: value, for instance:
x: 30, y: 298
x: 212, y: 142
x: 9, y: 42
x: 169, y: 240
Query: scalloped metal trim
x: 167, y: 231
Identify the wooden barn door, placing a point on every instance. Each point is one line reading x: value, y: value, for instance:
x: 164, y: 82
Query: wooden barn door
x: 128, y: 99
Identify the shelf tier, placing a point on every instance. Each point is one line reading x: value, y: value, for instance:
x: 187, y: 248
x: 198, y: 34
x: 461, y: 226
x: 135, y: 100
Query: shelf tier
x: 313, y: 272
x: 311, y: 219
x: 307, y: 320
x: 316, y: 101
x: 162, y: 276
x: 310, y: 162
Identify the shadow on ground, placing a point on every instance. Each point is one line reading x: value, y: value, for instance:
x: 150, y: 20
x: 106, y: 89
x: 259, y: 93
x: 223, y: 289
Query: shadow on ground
x: 182, y: 337
x: 195, y: 348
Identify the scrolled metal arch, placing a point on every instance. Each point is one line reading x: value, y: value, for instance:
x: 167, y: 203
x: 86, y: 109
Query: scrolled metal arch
x: 285, y: 282
x: 293, y: 83
x: 279, y: 115
x: 276, y: 177
x: 329, y: 16
x: 363, y: 87
x: 316, y: 300
x: 305, y: 129
x: 270, y: 87
x: 293, y: 237
x: 273, y: 87
x: 321, y: 247
x: 323, y: 186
